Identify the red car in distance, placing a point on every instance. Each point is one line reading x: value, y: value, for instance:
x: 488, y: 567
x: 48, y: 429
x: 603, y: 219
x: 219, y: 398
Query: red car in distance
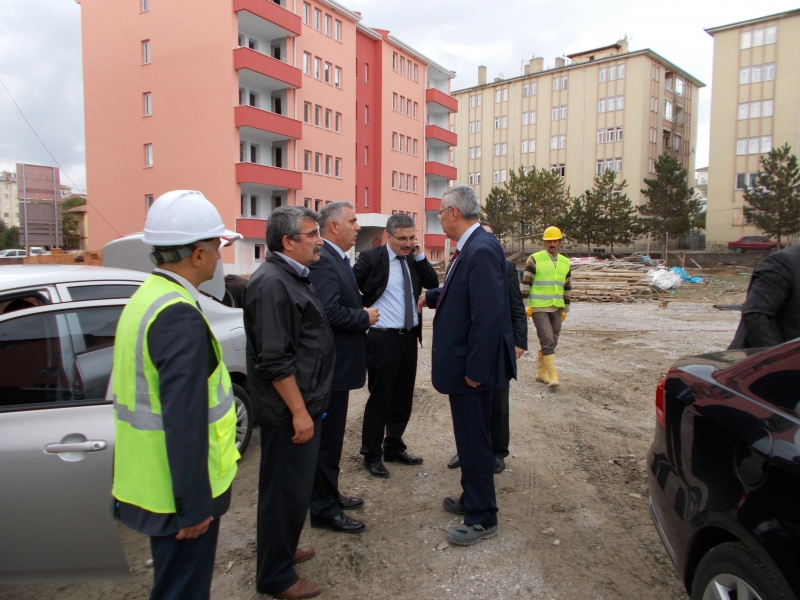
x: 757, y: 243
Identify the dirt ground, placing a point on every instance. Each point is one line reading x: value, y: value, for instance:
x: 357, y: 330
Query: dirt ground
x: 574, y: 521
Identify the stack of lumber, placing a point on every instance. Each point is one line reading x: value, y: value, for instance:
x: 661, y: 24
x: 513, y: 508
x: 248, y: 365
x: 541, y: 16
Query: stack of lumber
x: 609, y: 281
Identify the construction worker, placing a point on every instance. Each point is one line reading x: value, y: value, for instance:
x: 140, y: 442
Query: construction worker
x: 545, y: 288
x: 174, y: 414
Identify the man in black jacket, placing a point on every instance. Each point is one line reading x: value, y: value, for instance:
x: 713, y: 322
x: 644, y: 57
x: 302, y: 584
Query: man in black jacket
x: 391, y: 277
x: 290, y: 358
x: 336, y: 287
x: 499, y: 425
x: 771, y: 312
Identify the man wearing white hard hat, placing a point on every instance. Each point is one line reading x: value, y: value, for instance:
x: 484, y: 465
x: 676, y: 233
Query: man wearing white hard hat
x: 175, y: 419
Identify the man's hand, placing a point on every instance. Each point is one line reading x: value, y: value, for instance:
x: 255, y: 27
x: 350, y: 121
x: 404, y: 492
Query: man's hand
x: 303, y: 428
x: 189, y: 533
x: 422, y: 303
x: 528, y: 311
x: 563, y: 316
x: 416, y: 249
x: 519, y: 352
x: 471, y: 383
x: 374, y: 315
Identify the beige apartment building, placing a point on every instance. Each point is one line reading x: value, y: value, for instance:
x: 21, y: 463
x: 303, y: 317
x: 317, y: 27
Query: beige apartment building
x: 607, y: 108
x: 755, y: 107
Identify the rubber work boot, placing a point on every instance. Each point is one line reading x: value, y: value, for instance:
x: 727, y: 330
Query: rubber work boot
x: 552, y: 374
x: 541, y: 373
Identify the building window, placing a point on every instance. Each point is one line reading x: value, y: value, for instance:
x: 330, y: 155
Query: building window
x: 394, y: 61
x: 755, y: 74
x: 394, y: 178
x: 618, y: 165
x: 394, y: 140
x: 620, y: 102
x: 337, y: 168
x: 766, y: 144
x: 254, y: 153
x: 148, y: 104
x: 317, y: 115
x: 366, y: 196
x: 741, y: 180
x: 146, y: 52
x: 306, y: 13
x: 328, y: 116
x: 767, y: 108
x: 741, y: 146
x: 328, y: 164
x: 416, y: 72
x: 746, y: 40
x: 317, y: 19
x: 562, y: 141
x: 415, y: 146
x: 327, y: 25
x: 415, y: 109
x: 306, y: 63
x: 744, y: 109
x: 611, y: 104
x: 366, y: 72
x: 744, y: 75
x: 338, y: 121
x: 337, y: 30
x: 415, y: 185
x: 145, y: 6
x: 600, y: 167
x: 327, y: 72
x: 564, y: 80
x: 148, y: 201
x: 753, y: 145
x: 601, y: 136
x: 601, y: 76
x: 601, y: 105
x: 564, y: 111
x: 554, y: 114
x: 500, y: 122
x: 337, y: 77
x: 307, y: 113
x: 621, y: 71
x: 148, y: 155
x: 307, y: 161
x: 554, y: 142
x: 556, y: 84
x: 366, y: 115
x: 317, y: 67
x: 668, y: 115
x: 559, y: 170
x: 408, y: 107
x: 771, y: 35
x: 769, y: 71
x: 318, y: 163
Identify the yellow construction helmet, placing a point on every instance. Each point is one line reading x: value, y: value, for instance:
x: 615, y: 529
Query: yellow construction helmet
x: 552, y: 233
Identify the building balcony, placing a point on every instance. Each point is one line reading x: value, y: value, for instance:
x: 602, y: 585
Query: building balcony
x: 269, y: 176
x: 263, y: 120
x: 434, y: 132
x: 445, y: 101
x: 438, y: 169
x: 434, y: 204
x: 252, y: 228
x: 435, y: 240
x: 250, y: 60
x: 272, y: 12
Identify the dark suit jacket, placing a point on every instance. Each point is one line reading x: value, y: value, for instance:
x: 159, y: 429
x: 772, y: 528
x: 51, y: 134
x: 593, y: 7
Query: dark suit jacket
x: 519, y: 320
x: 472, y: 334
x: 372, y: 274
x: 771, y: 313
x: 349, y: 321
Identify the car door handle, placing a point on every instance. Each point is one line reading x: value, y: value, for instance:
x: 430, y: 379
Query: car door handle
x: 87, y: 446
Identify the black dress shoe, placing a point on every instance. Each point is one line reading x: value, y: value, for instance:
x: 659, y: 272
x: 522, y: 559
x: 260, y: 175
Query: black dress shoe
x: 499, y: 465
x: 376, y: 468
x: 454, y: 463
x: 340, y: 522
x: 404, y: 458
x: 348, y: 503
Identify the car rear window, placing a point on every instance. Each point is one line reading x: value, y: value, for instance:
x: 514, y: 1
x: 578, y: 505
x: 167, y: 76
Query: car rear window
x: 101, y: 292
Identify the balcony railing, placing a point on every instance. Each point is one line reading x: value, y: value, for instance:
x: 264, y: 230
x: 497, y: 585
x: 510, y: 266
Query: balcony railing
x: 444, y: 100
x: 272, y: 12
x: 249, y: 116
x: 440, y: 133
x: 251, y: 228
x: 438, y: 169
x: 245, y: 58
x: 269, y: 176
x: 435, y: 240
x: 433, y: 204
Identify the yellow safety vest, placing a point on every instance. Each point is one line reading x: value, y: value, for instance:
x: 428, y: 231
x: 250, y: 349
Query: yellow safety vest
x: 547, y: 288
x: 141, y: 469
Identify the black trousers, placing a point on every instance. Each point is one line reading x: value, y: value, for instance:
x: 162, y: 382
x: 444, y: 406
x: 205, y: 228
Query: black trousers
x: 325, y: 493
x: 471, y: 414
x: 500, y: 432
x: 284, y: 492
x: 182, y: 569
x: 391, y: 371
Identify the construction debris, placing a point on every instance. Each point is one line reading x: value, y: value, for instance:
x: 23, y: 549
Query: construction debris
x: 617, y: 280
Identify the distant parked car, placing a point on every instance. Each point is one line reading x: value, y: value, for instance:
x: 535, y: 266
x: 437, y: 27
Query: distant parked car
x: 13, y: 254
x: 38, y: 251
x: 756, y: 243
x: 724, y: 472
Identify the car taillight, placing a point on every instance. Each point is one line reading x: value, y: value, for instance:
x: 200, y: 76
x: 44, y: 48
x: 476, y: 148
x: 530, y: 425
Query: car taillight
x: 660, y: 404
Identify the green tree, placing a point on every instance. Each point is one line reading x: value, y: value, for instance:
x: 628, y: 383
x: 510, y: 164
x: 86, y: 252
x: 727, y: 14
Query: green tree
x: 774, y: 204
x: 498, y: 210
x: 10, y: 238
x: 584, y: 220
x: 620, y: 223
x: 69, y: 221
x: 671, y: 204
x: 548, y: 203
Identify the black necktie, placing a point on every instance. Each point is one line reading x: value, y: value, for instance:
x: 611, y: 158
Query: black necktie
x: 408, y: 320
x: 347, y: 260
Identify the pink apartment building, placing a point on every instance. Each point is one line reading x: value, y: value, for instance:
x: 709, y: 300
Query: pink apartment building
x: 260, y: 104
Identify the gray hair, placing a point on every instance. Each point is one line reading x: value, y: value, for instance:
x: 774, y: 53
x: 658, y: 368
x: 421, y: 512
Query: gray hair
x: 285, y: 221
x: 333, y: 211
x: 399, y: 221
x: 463, y: 198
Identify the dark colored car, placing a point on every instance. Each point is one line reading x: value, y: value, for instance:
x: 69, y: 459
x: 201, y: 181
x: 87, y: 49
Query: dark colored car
x: 724, y: 472
x: 754, y: 243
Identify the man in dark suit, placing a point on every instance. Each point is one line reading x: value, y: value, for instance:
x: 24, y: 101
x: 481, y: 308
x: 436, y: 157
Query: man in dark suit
x: 391, y: 277
x: 336, y: 287
x: 501, y: 432
x: 472, y: 355
x: 771, y: 312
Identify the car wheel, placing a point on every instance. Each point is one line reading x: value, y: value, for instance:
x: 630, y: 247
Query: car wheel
x: 244, y: 418
x: 733, y: 571
x: 738, y: 250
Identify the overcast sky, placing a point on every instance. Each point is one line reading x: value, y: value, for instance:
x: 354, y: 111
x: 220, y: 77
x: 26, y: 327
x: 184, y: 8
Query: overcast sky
x: 40, y: 52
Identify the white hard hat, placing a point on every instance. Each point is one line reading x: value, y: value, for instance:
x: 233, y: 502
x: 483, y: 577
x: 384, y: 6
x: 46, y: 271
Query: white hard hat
x: 182, y: 217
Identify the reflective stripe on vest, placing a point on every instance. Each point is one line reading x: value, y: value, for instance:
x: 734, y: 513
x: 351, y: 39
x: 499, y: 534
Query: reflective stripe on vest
x: 141, y: 468
x: 547, y: 288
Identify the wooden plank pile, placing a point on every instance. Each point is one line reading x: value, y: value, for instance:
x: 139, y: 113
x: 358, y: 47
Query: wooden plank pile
x: 610, y: 281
